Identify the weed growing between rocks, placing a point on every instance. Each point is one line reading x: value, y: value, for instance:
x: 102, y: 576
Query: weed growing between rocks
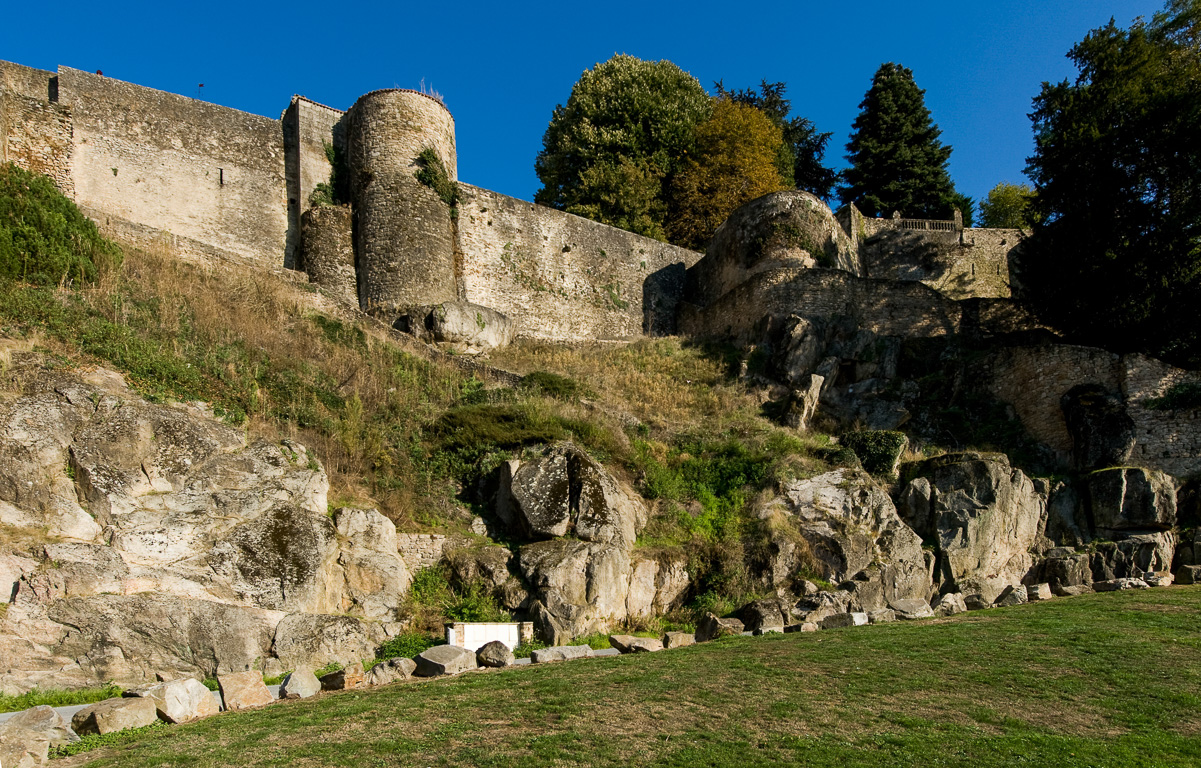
x: 57, y: 698
x: 433, y: 600
x: 97, y: 740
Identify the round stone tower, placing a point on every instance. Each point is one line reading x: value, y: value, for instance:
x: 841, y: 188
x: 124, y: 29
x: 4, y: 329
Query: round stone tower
x: 404, y: 236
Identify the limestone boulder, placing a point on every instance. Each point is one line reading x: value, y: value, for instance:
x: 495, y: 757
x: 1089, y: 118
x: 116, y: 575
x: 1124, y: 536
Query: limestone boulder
x: 912, y: 609
x: 1039, y: 592
x: 577, y: 587
x: 132, y: 638
x: 444, y: 660
x: 299, y: 684
x: 494, y: 654
x: 758, y: 614
x: 1063, y: 567
x: 180, y: 701
x: 45, y: 721
x: 243, y: 690
x: 1188, y: 574
x: 949, y: 604
x: 1132, y: 555
x: 565, y: 491
x: 1117, y: 585
x: 469, y: 328
x: 351, y: 676
x: 22, y: 748
x: 632, y: 644
x: 561, y: 653
x: 852, y: 528
x: 817, y: 606
x: 840, y: 620
x: 678, y: 639
x: 782, y: 230
x: 390, y: 671
x: 113, y: 715
x: 1012, y: 595
x: 712, y: 627
x: 985, y: 516
x: 1131, y: 499
x: 311, y: 641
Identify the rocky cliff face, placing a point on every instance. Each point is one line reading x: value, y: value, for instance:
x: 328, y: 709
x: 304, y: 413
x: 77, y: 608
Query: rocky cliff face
x: 141, y: 538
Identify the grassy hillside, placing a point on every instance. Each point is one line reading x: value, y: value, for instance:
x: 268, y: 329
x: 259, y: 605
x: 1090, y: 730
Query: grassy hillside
x: 1101, y: 680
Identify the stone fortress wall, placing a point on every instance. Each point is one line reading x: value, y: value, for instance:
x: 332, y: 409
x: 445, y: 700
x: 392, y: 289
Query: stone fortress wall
x: 155, y: 167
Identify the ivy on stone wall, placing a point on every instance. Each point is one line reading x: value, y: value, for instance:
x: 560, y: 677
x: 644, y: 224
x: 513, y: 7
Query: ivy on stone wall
x: 432, y: 173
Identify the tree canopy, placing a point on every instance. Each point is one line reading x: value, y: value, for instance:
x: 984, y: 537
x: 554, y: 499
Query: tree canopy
x: 804, y: 147
x: 1008, y: 206
x: 736, y: 160
x: 609, y: 154
x: 897, y: 162
x: 1116, y: 257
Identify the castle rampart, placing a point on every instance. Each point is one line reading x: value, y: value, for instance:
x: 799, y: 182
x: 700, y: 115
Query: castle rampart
x: 404, y: 233
x: 558, y: 276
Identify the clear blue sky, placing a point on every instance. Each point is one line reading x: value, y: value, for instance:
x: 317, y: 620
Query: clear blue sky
x: 502, y: 67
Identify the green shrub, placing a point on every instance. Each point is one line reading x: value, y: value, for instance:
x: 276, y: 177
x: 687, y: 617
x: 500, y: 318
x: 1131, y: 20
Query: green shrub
x: 407, y: 646
x: 1178, y: 397
x: 432, y: 173
x: 524, y: 650
x: 96, y: 741
x: 44, y: 239
x: 553, y: 385
x: 434, y: 599
x: 57, y: 698
x: 877, y: 449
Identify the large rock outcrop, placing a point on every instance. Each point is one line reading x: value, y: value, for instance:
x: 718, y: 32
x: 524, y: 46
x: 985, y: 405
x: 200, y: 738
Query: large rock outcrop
x: 855, y: 535
x: 566, y: 491
x: 984, y: 517
x: 158, y: 540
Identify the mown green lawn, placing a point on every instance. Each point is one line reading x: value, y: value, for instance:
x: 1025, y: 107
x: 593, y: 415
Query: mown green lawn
x: 1102, y: 680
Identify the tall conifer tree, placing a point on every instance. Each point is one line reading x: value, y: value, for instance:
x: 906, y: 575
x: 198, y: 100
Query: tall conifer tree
x: 897, y: 161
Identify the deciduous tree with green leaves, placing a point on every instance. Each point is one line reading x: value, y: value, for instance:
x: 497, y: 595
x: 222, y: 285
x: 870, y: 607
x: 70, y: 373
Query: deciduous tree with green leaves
x: 897, y: 162
x: 1116, y: 258
x: 610, y: 153
x: 1007, y: 206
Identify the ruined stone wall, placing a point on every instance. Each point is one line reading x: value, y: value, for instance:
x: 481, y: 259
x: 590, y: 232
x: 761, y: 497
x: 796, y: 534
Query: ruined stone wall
x: 36, y: 135
x: 207, y: 173
x: 562, y: 277
x: 886, y: 308
x: 403, y: 230
x: 420, y: 550
x: 1033, y: 381
x: 308, y: 128
x: 327, y: 250
x: 962, y: 264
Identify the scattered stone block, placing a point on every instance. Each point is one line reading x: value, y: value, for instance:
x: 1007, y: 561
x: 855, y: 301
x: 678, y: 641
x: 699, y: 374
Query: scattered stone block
x: 392, y: 671
x: 631, y: 644
x: 949, y: 604
x: 561, y: 653
x: 1072, y: 591
x: 179, y: 701
x: 774, y: 630
x: 243, y: 690
x: 344, y: 679
x: 711, y: 627
x: 494, y: 654
x: 444, y: 660
x: 46, y: 721
x: 912, y: 609
x: 882, y: 616
x: 840, y: 620
x: 113, y: 715
x: 976, y: 602
x: 678, y: 639
x: 1115, y: 585
x: 1158, y: 579
x: 1038, y: 592
x: 22, y: 748
x: 1013, y: 595
x: 299, y: 684
x: 1188, y: 574
x: 809, y: 626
